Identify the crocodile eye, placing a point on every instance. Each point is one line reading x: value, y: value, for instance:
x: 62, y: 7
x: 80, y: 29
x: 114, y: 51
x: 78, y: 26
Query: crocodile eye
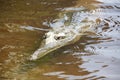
x: 59, y: 37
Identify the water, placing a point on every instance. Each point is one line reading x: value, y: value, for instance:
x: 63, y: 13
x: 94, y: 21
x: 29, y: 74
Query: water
x: 94, y: 57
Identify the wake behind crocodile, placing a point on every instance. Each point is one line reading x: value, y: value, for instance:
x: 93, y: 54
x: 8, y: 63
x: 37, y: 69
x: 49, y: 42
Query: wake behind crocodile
x: 66, y: 30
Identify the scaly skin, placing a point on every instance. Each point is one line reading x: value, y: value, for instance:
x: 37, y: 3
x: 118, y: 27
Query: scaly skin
x: 71, y: 36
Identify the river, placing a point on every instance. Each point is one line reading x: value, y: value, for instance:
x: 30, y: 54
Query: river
x: 23, y: 23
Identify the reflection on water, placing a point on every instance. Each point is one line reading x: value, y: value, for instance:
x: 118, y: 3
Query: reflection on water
x: 94, y: 57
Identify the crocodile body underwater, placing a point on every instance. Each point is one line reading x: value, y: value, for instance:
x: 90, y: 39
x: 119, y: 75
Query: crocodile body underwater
x: 65, y: 34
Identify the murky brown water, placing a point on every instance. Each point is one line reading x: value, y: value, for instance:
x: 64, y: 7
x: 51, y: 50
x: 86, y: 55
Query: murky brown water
x: 94, y: 57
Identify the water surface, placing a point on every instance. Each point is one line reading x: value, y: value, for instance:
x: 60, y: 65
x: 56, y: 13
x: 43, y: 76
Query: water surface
x: 94, y: 57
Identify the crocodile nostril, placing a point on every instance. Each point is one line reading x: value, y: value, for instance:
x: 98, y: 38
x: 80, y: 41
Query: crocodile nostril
x: 44, y: 37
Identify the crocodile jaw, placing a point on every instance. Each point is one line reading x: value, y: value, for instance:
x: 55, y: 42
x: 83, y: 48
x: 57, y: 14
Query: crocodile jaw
x: 52, y: 44
x: 52, y: 47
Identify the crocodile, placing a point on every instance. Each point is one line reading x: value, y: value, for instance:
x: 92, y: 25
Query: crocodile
x: 63, y: 35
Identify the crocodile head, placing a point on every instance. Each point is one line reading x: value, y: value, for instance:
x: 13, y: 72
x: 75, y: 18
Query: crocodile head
x: 57, y: 38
